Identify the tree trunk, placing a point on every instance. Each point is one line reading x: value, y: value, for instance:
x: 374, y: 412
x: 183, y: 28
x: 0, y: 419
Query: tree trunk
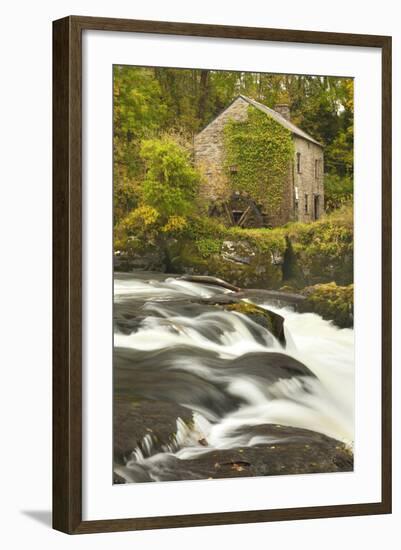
x: 204, y: 87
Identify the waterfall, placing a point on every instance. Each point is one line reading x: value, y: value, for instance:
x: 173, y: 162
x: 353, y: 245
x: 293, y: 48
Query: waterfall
x: 232, y: 374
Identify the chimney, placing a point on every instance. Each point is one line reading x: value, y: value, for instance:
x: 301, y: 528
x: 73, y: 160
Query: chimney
x: 284, y: 110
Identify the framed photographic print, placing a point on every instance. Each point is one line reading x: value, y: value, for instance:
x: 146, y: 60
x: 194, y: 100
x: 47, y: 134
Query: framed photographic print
x: 222, y: 274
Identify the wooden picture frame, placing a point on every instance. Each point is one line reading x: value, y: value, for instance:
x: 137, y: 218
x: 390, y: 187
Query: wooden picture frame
x: 67, y: 273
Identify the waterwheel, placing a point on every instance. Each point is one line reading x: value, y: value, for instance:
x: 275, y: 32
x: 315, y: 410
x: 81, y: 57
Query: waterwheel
x: 239, y: 210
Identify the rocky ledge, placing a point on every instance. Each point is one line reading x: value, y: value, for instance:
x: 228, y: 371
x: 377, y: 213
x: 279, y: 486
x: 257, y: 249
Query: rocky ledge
x: 282, y: 450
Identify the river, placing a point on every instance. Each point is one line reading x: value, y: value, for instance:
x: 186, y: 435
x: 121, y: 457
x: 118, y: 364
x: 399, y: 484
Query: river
x: 201, y: 392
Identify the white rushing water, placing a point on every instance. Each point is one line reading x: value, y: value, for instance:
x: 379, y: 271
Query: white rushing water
x: 323, y: 404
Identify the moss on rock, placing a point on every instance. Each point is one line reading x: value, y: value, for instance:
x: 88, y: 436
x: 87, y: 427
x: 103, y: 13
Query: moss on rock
x: 332, y: 302
x: 273, y: 322
x: 258, y: 271
x: 320, y: 252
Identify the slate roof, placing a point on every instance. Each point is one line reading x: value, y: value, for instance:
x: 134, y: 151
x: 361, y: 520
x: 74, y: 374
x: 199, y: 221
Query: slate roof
x: 280, y: 119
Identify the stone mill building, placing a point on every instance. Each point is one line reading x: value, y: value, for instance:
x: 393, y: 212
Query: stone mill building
x: 302, y: 192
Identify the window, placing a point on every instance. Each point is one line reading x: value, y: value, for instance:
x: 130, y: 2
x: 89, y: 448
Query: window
x: 298, y: 163
x: 317, y: 168
x: 306, y: 204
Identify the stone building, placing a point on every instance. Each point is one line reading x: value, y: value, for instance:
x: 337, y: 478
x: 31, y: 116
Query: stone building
x: 303, y: 191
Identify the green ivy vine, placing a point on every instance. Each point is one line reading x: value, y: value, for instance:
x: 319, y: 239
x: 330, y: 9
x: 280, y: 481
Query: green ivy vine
x: 257, y: 153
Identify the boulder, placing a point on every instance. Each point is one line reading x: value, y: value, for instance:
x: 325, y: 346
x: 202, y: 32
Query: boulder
x: 330, y: 301
x: 246, y: 269
x: 282, y: 450
x: 145, y: 424
x: 239, y: 252
x: 273, y: 322
x: 290, y: 451
x: 151, y: 259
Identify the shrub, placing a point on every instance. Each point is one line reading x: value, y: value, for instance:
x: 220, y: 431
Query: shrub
x: 175, y: 225
x: 171, y: 183
x: 140, y: 219
x: 204, y: 226
x: 137, y: 230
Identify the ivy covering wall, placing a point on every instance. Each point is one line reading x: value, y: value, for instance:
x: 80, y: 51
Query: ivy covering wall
x: 257, y: 153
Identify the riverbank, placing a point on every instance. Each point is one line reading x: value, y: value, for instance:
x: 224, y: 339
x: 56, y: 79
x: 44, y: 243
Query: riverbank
x: 297, y: 254
x: 315, y: 259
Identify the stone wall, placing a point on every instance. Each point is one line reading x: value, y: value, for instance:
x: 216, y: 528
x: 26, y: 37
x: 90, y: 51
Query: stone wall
x: 306, y: 181
x: 209, y: 151
x: 286, y: 211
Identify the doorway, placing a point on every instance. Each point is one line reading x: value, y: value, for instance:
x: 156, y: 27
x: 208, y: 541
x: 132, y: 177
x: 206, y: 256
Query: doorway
x: 316, y: 207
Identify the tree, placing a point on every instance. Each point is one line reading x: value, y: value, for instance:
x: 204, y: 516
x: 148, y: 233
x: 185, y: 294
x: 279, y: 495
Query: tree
x: 171, y: 183
x: 337, y: 191
x: 138, y: 112
x: 181, y: 94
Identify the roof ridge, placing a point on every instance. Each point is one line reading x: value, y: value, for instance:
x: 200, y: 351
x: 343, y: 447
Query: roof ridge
x: 280, y: 119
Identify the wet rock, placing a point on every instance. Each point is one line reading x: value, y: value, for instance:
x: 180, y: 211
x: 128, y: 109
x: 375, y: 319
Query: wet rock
x: 127, y: 324
x: 290, y: 451
x: 152, y: 259
x: 117, y: 479
x: 147, y: 425
x: 282, y: 450
x: 166, y: 375
x: 270, y: 367
x: 220, y: 299
x: 207, y: 280
x: 170, y: 375
x: 267, y: 319
x: 273, y: 322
